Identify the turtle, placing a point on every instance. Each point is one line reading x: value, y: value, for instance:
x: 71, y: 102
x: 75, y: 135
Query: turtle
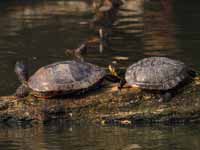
x: 59, y: 78
x: 62, y: 78
x: 156, y: 74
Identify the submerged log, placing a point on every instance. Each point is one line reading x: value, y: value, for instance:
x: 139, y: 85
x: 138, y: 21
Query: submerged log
x: 105, y: 106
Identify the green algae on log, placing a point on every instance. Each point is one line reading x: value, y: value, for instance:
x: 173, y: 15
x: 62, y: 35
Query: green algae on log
x: 106, y: 106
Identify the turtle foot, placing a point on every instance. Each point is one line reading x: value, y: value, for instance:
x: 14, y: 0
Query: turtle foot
x: 166, y: 97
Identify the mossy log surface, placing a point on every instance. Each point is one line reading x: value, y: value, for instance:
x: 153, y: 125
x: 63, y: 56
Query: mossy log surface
x: 105, y: 106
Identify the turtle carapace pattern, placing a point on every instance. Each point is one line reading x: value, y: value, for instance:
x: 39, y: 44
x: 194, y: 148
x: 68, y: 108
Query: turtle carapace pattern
x: 61, y: 78
x: 156, y: 73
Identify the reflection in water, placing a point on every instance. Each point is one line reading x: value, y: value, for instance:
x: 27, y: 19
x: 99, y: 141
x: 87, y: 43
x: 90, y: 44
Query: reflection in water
x: 147, y: 28
x: 86, y: 137
x: 127, y: 32
x: 159, y: 31
x: 29, y: 14
x: 131, y: 17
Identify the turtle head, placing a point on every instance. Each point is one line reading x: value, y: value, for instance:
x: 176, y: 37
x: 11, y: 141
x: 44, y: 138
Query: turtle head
x: 116, y: 73
x: 113, y: 69
x: 22, y: 71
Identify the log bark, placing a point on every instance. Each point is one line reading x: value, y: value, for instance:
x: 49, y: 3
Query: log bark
x: 106, y: 106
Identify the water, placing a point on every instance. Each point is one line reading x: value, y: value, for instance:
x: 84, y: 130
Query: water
x: 88, y: 137
x: 39, y: 32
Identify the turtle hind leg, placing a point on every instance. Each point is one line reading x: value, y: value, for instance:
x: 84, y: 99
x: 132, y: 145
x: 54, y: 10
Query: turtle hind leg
x: 166, y: 97
x: 193, y: 73
x: 22, y: 91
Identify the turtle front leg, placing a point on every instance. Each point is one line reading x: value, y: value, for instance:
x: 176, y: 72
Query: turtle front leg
x: 125, y: 87
x: 122, y: 84
x: 133, y: 88
x: 22, y: 91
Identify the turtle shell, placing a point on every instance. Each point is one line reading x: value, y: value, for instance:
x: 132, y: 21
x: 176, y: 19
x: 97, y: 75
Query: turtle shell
x: 156, y: 73
x: 65, y: 76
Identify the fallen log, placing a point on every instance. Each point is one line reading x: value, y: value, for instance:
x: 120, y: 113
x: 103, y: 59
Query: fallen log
x: 106, y: 106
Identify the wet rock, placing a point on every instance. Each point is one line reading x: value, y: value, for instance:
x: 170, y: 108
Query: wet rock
x: 3, y: 105
x: 104, y: 106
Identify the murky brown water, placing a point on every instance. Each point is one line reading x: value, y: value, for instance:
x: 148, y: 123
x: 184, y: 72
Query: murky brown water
x: 39, y: 32
x: 86, y: 137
